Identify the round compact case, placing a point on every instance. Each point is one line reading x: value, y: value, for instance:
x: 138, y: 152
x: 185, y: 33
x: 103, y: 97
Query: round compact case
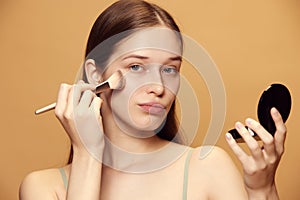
x: 276, y: 95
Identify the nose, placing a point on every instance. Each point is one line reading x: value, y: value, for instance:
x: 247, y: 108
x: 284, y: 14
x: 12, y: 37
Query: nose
x: 157, y: 89
x: 156, y: 85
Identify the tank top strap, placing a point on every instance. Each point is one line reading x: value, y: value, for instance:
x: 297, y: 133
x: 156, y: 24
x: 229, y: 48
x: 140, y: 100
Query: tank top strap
x: 64, y: 177
x: 186, y: 174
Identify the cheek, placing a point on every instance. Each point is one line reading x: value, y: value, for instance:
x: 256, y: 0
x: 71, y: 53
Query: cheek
x: 126, y: 113
x: 172, y: 85
x: 122, y: 102
x: 124, y: 96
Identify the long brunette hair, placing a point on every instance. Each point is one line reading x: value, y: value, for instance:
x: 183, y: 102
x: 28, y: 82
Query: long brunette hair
x: 123, y: 16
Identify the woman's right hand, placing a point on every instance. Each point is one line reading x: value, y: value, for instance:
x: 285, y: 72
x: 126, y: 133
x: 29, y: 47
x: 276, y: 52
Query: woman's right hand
x: 78, y: 110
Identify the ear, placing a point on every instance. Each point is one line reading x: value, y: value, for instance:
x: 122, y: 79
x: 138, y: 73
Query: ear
x: 92, y: 73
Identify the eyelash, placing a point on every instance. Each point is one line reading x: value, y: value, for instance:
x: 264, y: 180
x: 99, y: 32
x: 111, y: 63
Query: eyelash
x: 135, y: 65
x: 165, y: 69
x: 173, y: 70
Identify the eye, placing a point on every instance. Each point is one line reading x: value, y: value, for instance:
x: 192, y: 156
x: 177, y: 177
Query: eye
x: 136, y: 68
x: 169, y: 70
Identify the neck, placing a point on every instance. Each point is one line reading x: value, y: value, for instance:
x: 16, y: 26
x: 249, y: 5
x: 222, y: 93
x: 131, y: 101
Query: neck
x: 149, y: 161
x: 127, y: 153
x: 133, y: 144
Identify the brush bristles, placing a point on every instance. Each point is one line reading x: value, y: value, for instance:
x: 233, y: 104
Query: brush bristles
x: 116, y: 81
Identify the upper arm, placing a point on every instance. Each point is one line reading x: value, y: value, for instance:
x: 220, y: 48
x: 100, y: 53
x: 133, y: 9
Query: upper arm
x: 222, y: 178
x: 34, y: 187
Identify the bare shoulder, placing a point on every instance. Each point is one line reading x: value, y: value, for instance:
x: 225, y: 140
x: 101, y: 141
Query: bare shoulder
x: 210, y: 156
x: 42, y: 184
x: 212, y: 167
x: 210, y: 161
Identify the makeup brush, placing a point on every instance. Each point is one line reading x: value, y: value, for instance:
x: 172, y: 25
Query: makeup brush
x: 114, y: 82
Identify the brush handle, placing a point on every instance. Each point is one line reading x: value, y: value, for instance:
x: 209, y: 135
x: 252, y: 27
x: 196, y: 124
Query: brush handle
x: 100, y: 88
x: 45, y: 109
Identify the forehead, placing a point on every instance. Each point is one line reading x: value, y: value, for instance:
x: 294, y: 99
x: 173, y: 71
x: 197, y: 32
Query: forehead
x: 154, y: 39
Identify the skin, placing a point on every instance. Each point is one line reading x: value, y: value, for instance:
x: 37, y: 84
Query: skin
x: 138, y: 91
x: 78, y: 107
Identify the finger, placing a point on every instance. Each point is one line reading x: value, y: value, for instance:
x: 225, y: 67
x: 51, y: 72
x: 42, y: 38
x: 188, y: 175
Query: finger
x: 86, y: 99
x: 80, y: 82
x: 74, y: 97
x: 265, y: 136
x: 251, y: 142
x: 62, y: 99
x: 79, y: 89
x: 237, y: 150
x: 96, y: 105
x: 281, y: 130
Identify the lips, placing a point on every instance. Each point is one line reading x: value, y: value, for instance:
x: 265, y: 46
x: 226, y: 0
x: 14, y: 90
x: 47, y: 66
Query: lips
x: 153, y: 108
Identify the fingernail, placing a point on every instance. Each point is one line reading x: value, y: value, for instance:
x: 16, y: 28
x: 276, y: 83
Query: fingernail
x: 228, y: 136
x: 238, y: 125
x: 249, y: 121
x: 275, y: 111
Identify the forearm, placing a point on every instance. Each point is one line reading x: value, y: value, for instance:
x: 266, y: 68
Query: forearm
x: 266, y: 194
x: 85, y: 177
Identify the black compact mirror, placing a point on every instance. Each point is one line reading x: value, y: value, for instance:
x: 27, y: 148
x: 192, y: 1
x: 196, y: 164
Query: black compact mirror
x: 276, y: 95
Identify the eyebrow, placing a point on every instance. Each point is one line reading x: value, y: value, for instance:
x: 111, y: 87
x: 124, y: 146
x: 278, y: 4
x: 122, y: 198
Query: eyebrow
x: 175, y: 58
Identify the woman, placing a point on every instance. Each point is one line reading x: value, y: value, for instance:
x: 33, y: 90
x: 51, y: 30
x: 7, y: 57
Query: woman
x: 110, y: 132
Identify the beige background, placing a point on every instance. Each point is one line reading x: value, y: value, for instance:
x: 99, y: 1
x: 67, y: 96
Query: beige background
x: 42, y: 43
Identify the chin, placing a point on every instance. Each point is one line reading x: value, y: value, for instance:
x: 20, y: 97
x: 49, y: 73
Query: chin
x: 150, y: 124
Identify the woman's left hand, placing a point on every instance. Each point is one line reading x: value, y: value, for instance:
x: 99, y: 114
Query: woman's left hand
x: 260, y: 166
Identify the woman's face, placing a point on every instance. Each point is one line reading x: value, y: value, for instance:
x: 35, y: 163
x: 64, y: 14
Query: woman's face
x: 152, y: 81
